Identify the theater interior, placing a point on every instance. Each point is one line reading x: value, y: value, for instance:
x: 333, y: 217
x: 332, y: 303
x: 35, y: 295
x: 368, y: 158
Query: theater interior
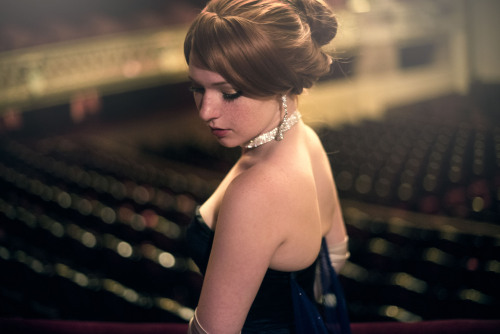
x: 103, y: 159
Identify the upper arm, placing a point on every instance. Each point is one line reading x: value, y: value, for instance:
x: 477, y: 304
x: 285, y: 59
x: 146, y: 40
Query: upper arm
x: 327, y: 192
x: 245, y: 240
x: 337, y: 232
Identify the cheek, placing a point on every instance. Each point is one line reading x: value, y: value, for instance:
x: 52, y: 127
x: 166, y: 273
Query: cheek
x: 240, y: 115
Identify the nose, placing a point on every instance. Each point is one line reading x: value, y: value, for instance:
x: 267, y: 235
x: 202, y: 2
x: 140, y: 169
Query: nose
x: 207, y: 107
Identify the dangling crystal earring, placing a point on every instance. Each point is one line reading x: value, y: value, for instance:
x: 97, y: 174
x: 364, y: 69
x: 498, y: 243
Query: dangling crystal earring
x: 279, y: 134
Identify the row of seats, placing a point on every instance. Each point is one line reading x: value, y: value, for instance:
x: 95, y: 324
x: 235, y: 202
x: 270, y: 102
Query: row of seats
x: 125, y: 244
x: 420, y: 160
x: 423, y: 272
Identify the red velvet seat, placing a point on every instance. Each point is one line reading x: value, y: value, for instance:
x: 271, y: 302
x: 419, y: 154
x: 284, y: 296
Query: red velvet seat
x: 30, y: 326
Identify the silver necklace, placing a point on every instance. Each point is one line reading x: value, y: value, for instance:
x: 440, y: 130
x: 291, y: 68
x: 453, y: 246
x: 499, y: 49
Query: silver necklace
x: 277, y: 132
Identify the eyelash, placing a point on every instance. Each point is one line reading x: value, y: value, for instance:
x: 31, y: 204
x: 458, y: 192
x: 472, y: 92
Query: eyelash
x: 231, y: 97
x: 226, y: 96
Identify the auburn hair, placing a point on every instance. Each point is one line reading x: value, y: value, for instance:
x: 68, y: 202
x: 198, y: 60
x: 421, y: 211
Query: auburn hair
x: 263, y: 47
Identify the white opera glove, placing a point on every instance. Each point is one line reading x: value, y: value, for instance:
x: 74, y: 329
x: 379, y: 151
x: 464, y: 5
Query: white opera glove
x: 339, y: 254
x: 195, y: 326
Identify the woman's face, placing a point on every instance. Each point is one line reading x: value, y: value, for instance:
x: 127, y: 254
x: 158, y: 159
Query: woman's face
x: 233, y: 118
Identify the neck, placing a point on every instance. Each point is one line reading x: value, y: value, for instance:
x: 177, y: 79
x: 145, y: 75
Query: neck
x: 276, y: 133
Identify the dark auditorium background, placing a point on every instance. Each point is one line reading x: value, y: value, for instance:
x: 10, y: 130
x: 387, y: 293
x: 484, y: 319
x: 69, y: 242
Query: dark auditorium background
x: 103, y: 158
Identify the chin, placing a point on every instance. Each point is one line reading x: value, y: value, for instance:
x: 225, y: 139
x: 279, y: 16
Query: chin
x: 229, y: 144
x: 232, y: 145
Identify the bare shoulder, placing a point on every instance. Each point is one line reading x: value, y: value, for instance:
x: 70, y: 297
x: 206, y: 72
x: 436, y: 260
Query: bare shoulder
x: 258, y: 195
x: 314, y: 142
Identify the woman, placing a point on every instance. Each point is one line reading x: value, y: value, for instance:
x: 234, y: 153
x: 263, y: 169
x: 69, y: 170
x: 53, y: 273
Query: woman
x: 248, y: 62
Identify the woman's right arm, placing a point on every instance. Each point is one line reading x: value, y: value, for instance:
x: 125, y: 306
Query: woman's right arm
x: 246, y: 238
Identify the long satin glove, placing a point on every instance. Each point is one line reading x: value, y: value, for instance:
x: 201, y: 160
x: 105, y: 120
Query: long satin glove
x: 339, y: 254
x: 195, y: 326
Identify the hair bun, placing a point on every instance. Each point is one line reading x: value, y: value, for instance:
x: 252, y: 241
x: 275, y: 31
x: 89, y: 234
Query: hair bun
x: 321, y: 20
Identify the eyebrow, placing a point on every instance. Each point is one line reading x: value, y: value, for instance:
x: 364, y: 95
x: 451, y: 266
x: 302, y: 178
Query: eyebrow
x: 219, y: 83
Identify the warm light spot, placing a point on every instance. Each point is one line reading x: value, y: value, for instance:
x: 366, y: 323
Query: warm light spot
x: 138, y: 222
x: 399, y: 313
x: 113, y: 286
x: 437, y: 256
x: 64, y: 200
x: 81, y: 279
x: 141, y: 195
x: 20, y: 256
x: 478, y: 204
x: 4, y: 253
x: 125, y: 214
x: 108, y: 215
x: 37, y: 266
x: 186, y: 313
x: 84, y: 206
x: 330, y: 300
x: 57, y: 229
x: 474, y: 295
x: 63, y: 270
x: 391, y: 311
x: 168, y: 228
x: 130, y: 295
x: 88, y: 239
x: 409, y: 282
x: 150, y: 218
x: 124, y: 249
x: 493, y: 266
x: 166, y: 259
x: 380, y: 246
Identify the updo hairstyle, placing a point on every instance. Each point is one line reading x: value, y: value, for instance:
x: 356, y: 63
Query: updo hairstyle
x: 263, y: 47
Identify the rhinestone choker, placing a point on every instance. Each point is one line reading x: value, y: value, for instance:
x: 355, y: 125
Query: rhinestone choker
x: 286, y: 125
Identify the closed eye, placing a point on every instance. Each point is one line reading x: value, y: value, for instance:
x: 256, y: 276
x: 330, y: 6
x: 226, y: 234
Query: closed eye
x: 232, y: 96
x: 226, y: 96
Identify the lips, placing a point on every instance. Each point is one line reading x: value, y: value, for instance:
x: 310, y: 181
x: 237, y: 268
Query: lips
x: 219, y: 133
